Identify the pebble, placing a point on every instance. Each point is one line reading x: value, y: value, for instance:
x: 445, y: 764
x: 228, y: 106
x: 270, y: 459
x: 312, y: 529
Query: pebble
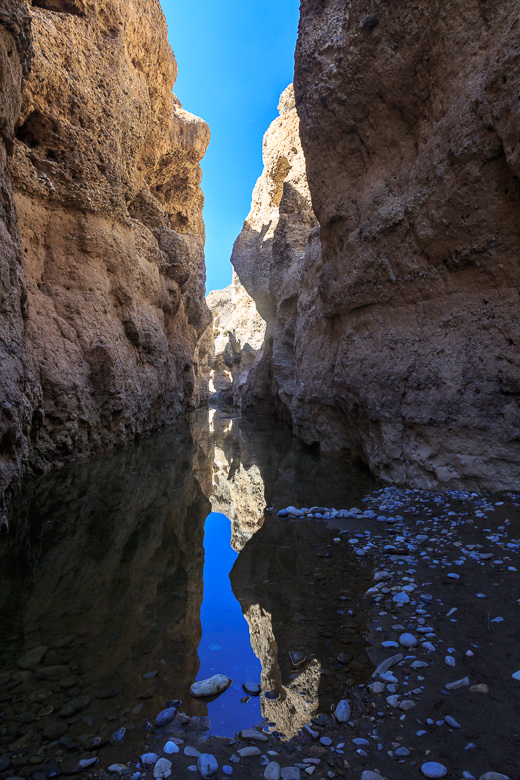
x: 342, y: 711
x: 163, y: 768
x: 401, y: 598
x: 33, y: 658
x: 171, y: 747
x: 149, y: 758
x: 431, y: 769
x: 407, y: 640
x: 454, y: 686
x: 253, y: 689
x: 207, y: 765
x: 493, y: 776
x: 253, y: 734
x: 118, y: 769
x: 368, y: 775
x: 227, y: 770
x: 516, y: 675
x: 452, y: 722
x: 211, y: 686
x: 291, y: 773
x: 326, y: 741
x: 165, y: 716
x: 249, y: 751
x: 191, y: 752
x: 272, y: 771
x: 5, y: 762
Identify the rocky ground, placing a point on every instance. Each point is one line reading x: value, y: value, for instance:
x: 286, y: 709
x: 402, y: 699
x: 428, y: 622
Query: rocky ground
x: 441, y: 697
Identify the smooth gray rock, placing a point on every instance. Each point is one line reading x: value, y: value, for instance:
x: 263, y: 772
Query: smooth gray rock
x: 33, y: 658
x: 493, y: 776
x: 342, y: 711
x: 407, y: 640
x: 149, y: 758
x: 247, y: 752
x: 253, y: 734
x: 165, y: 716
x: 211, y: 686
x: 272, y: 771
x: 207, y: 765
x: 433, y: 770
x: 291, y: 773
x: 162, y: 769
x: 454, y: 686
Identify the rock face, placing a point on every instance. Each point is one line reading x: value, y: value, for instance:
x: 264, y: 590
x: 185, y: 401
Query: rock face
x: 18, y: 392
x: 106, y: 176
x: 238, y: 335
x: 269, y: 257
x: 402, y: 340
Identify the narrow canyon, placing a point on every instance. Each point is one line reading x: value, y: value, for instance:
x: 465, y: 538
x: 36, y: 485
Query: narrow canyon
x: 273, y: 531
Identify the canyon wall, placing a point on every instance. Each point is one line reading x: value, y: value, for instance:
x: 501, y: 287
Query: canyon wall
x: 237, y: 333
x: 18, y: 388
x: 402, y: 344
x: 106, y: 179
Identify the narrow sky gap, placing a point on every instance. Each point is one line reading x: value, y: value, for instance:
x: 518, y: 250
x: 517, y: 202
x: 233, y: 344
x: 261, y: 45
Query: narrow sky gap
x: 234, y: 61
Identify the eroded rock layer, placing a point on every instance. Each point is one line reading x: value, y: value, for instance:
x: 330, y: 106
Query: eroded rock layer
x: 106, y: 177
x: 404, y: 345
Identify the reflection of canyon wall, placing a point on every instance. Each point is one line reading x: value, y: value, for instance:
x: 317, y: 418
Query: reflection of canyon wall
x: 110, y: 553
x: 106, y: 176
x: 18, y: 388
x: 238, y: 333
x: 236, y: 488
x: 293, y: 584
x: 292, y: 710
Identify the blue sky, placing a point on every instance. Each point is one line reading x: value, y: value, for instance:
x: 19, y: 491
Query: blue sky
x: 235, y: 58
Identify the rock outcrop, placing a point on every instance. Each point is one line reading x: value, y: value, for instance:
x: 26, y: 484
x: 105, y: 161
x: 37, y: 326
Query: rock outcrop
x: 237, y: 333
x: 269, y: 258
x: 106, y: 177
x: 18, y: 389
x: 401, y: 343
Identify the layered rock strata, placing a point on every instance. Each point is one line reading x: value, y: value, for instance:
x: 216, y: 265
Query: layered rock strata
x: 402, y: 340
x: 106, y: 177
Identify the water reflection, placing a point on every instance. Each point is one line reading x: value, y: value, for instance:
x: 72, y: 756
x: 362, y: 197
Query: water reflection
x: 107, y: 564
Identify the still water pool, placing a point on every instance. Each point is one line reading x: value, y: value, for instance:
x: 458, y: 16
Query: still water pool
x: 141, y: 571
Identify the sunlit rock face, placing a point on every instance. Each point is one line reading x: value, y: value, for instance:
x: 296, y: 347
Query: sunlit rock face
x: 18, y: 386
x: 106, y: 178
x: 272, y: 257
x: 238, y: 333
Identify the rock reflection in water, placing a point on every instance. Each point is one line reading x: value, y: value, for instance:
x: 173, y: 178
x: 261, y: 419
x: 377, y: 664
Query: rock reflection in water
x: 300, y: 592
x: 104, y: 565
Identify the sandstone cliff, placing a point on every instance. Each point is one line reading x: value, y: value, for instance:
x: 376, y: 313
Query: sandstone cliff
x: 106, y: 176
x: 270, y: 258
x: 401, y: 342
x: 18, y: 390
x: 237, y: 333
